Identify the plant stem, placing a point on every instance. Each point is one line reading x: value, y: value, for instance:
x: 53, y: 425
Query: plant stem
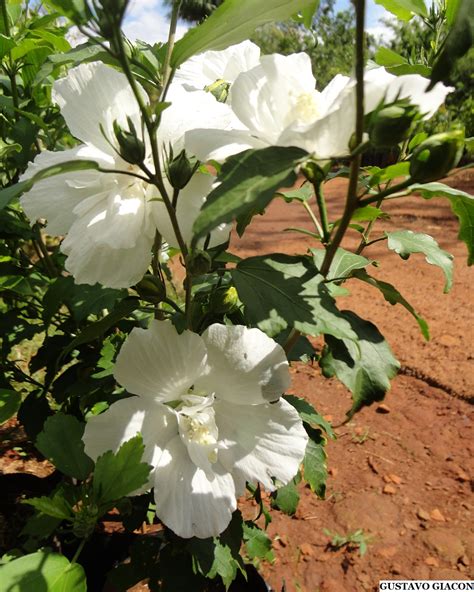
x: 11, y: 71
x: 167, y: 73
x: 46, y: 258
x: 352, y: 197
x: 315, y: 221
x: 78, y: 551
x: 386, y: 192
x: 323, y: 213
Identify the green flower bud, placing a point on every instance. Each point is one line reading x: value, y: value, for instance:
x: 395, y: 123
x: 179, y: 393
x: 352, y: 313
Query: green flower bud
x: 151, y: 289
x: 132, y: 149
x: 391, y: 125
x: 181, y: 169
x: 313, y: 172
x: 85, y: 520
x: 436, y: 156
x: 224, y: 300
x: 219, y: 89
x: 198, y: 262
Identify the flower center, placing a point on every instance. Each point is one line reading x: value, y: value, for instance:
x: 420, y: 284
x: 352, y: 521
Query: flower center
x: 307, y: 108
x: 198, y: 429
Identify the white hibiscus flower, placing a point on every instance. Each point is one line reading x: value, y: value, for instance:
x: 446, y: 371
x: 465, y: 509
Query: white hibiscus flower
x: 279, y: 105
x: 110, y: 219
x: 210, y: 69
x: 210, y: 414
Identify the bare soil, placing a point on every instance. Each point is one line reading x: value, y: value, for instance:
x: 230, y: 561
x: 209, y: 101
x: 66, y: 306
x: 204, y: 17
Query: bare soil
x: 401, y: 471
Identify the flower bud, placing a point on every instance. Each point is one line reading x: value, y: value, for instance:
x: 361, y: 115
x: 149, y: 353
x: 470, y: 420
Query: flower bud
x: 436, y: 156
x: 224, y: 300
x: 198, y: 262
x: 391, y: 125
x: 151, y: 289
x: 85, y: 519
x: 313, y: 172
x: 132, y: 149
x: 181, y: 169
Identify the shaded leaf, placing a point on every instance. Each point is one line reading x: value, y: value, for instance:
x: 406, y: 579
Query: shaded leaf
x: 286, y: 498
x: 309, y: 414
x: 365, y: 367
x: 10, y: 402
x: 281, y: 291
x: 314, y: 463
x: 248, y: 182
x: 406, y: 242
x: 61, y: 443
x: 257, y: 543
x: 56, y: 506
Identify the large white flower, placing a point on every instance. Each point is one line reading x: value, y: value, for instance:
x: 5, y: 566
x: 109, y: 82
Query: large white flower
x: 279, y: 105
x: 110, y: 219
x: 210, y: 414
x: 210, y: 67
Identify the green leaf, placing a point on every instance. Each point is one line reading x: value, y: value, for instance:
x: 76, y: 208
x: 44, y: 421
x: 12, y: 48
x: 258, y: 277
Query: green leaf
x: 42, y: 572
x: 257, y: 543
x: 314, y: 463
x: 56, y: 506
x: 404, y: 9
x: 286, y: 498
x: 117, y: 475
x: 10, y: 193
x: 400, y: 169
x: 303, y: 193
x: 343, y: 264
x: 6, y: 44
x: 61, y: 443
x: 405, y: 242
x: 123, y: 308
x: 458, y: 42
x: 462, y: 205
x: 452, y: 7
x: 248, y: 182
x: 309, y: 414
x: 76, y: 10
x: 392, y: 295
x: 387, y: 57
x: 10, y: 402
x: 281, y: 291
x: 234, y: 21
x: 365, y: 367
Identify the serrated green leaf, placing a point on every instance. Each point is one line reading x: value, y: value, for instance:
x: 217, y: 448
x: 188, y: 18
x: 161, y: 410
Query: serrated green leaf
x: 404, y: 9
x: 234, y: 21
x: 248, y: 182
x: 55, y: 506
x: 400, y: 169
x: 42, y: 571
x: 117, y: 475
x: 286, y: 498
x: 392, y: 295
x: 10, y: 402
x: 314, y: 463
x: 257, y: 543
x: 281, y: 291
x: 309, y: 414
x: 365, y: 367
x: 406, y: 242
x: 61, y: 443
x: 462, y: 205
x: 343, y: 263
x: 10, y: 193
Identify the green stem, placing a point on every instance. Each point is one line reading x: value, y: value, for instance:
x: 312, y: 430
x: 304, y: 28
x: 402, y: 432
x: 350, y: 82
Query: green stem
x: 352, y: 200
x: 167, y: 72
x: 315, y: 221
x: 11, y: 70
x: 385, y: 193
x: 323, y: 213
x: 78, y: 551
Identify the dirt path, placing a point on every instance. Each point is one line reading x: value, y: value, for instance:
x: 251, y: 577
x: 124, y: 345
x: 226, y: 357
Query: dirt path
x: 402, y: 476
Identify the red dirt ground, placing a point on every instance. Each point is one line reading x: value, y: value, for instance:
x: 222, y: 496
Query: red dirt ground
x: 400, y: 472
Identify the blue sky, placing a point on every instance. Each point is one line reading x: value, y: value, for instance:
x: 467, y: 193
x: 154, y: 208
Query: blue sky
x: 147, y: 19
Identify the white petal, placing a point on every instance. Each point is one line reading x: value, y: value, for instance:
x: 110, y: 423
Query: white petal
x: 191, y: 110
x: 260, y: 442
x: 94, y: 95
x: 205, y: 68
x: 124, y: 420
x: 216, y: 144
x: 56, y: 197
x: 245, y: 366
x: 158, y: 363
x: 190, y: 201
x: 189, y: 502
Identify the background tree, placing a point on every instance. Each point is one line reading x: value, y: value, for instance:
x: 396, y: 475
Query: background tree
x: 195, y: 11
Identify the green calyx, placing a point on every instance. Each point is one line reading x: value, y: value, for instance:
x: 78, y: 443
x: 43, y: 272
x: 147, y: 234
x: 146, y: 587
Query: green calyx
x: 436, y: 156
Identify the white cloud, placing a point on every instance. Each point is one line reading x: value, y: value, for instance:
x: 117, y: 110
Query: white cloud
x: 147, y: 20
